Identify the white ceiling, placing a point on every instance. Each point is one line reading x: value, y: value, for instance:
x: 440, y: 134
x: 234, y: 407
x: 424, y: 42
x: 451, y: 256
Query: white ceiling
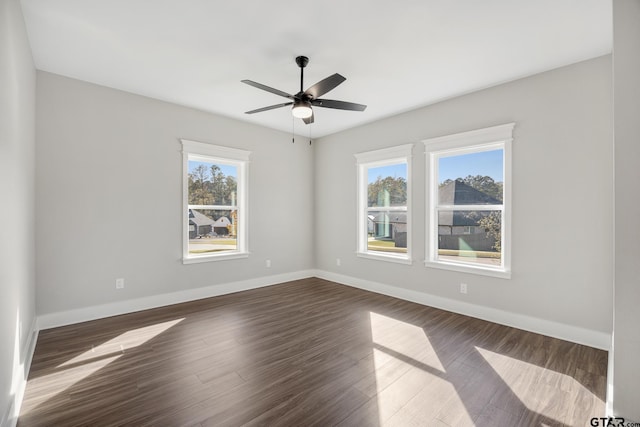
x: 396, y: 55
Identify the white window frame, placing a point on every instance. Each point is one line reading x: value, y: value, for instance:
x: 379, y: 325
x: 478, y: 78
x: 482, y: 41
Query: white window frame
x: 218, y: 155
x: 377, y: 158
x: 492, y: 138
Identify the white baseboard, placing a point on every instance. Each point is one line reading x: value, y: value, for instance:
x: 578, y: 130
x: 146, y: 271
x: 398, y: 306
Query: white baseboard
x: 20, y: 375
x: 549, y: 328
x: 53, y: 320
x: 609, y: 398
x: 571, y: 333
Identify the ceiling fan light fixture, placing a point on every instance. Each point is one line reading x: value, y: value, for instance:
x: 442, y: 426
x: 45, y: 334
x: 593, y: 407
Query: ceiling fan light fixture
x: 301, y: 110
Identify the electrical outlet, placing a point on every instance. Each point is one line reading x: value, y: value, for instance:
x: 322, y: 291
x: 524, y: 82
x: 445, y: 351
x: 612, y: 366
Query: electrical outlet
x: 120, y: 283
x: 268, y: 263
x: 338, y: 262
x: 463, y: 288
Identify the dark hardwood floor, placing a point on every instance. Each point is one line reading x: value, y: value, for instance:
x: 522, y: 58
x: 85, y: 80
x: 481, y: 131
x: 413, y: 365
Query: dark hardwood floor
x: 305, y: 353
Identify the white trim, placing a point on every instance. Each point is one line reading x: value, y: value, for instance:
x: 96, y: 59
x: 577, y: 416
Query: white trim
x: 385, y: 256
x: 469, y: 268
x: 211, y: 150
x: 53, y: 320
x: 609, y: 393
x: 214, y: 207
x: 385, y: 154
x: 474, y: 137
x: 492, y: 138
x: 470, y: 207
x: 20, y: 375
x: 220, y: 256
x: 549, y: 328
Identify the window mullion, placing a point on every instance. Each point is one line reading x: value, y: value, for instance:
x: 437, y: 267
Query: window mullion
x: 387, y: 208
x: 469, y: 207
x: 215, y: 207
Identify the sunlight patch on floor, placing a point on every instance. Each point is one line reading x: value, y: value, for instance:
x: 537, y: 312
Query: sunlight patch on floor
x: 403, y: 341
x: 82, y: 366
x: 555, y: 387
x: 126, y: 341
x: 408, y: 372
x: 46, y: 387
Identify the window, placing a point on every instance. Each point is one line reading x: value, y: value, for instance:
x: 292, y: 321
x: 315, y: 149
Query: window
x: 383, y: 204
x: 214, y: 202
x: 469, y: 185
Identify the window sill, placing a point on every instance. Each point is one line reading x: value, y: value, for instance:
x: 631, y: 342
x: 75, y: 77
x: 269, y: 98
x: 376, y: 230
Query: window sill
x: 387, y: 258
x: 210, y: 258
x: 464, y: 268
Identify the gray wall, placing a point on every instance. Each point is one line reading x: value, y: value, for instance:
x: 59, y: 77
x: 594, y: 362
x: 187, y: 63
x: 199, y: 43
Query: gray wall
x: 562, y: 160
x: 626, y: 343
x: 109, y: 163
x: 17, y: 207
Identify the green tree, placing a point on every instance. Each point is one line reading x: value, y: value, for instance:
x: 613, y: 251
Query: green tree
x: 486, y: 184
x: 217, y: 185
x: 199, y: 183
x: 231, y: 189
x: 208, y: 185
x: 492, y: 224
x: 387, y: 191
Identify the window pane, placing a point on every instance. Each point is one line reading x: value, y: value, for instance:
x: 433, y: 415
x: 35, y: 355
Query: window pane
x: 387, y: 231
x: 212, y: 184
x: 470, y: 236
x: 212, y: 231
x: 471, y: 179
x: 387, y: 185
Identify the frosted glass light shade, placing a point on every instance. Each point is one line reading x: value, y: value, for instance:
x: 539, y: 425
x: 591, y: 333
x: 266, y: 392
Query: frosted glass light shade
x: 301, y: 110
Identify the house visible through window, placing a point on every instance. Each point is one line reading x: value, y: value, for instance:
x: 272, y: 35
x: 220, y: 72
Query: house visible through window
x: 215, y: 202
x: 383, y: 203
x: 469, y: 204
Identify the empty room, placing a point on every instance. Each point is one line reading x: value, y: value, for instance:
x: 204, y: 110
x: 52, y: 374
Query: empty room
x: 297, y: 213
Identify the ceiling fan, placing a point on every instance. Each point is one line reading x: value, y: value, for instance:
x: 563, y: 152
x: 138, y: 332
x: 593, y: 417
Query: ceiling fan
x: 305, y: 99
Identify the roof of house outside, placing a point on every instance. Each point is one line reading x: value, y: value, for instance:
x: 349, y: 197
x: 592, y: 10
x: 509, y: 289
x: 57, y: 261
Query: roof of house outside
x: 223, y: 221
x: 459, y: 193
x: 199, y: 218
x: 394, y: 217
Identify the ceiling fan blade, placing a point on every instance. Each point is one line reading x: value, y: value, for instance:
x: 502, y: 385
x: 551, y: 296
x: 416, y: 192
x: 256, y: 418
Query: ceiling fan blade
x: 324, y: 86
x: 309, y: 119
x: 340, y: 105
x: 271, y: 107
x: 267, y: 88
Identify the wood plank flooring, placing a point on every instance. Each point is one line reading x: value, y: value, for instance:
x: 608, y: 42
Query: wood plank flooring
x: 308, y: 353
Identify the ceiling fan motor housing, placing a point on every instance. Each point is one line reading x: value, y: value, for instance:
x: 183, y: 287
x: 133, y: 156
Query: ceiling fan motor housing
x: 302, y: 61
